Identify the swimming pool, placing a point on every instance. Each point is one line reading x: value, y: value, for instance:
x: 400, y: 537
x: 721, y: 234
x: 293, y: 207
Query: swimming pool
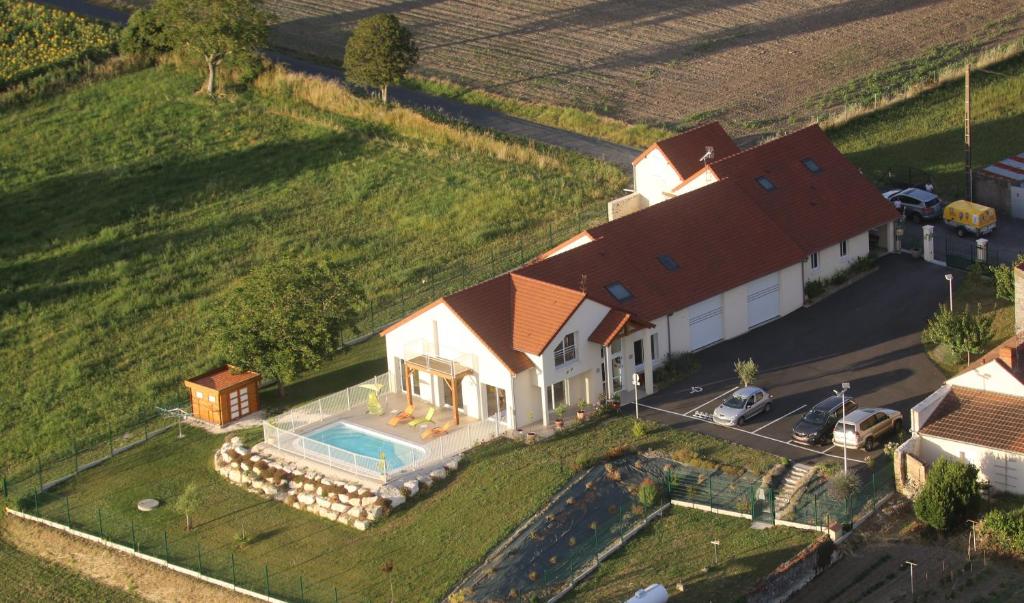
x: 368, y: 444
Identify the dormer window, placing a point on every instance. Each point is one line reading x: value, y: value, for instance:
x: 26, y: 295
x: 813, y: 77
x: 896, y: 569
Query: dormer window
x: 811, y: 165
x: 669, y: 263
x: 565, y: 352
x: 619, y: 291
x: 765, y: 183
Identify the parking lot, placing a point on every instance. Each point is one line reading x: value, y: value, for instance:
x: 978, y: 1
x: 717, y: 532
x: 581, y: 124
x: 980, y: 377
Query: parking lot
x: 867, y: 334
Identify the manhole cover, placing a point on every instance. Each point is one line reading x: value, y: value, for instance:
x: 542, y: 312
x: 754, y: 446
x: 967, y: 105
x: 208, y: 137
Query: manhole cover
x: 148, y: 504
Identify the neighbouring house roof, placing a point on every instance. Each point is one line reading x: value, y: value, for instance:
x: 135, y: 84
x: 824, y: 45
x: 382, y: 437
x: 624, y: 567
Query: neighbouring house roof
x: 1011, y: 168
x: 717, y: 235
x: 816, y: 209
x: 487, y: 309
x: 684, y: 150
x: 223, y: 377
x: 612, y: 324
x: 981, y: 418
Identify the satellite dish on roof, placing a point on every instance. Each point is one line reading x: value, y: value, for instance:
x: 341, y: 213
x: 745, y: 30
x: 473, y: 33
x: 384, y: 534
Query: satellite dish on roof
x: 709, y: 154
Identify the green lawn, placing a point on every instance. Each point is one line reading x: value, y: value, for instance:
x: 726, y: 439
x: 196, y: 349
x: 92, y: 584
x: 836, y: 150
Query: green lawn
x: 975, y: 293
x: 29, y: 579
x: 433, y: 542
x: 926, y: 132
x: 677, y: 548
x: 131, y: 205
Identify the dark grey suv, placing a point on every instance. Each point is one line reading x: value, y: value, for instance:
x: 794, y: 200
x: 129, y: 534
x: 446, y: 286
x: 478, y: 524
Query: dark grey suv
x: 815, y: 427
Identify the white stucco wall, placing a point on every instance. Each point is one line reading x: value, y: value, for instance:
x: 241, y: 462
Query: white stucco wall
x: 704, y: 179
x: 654, y: 176
x: 454, y: 341
x: 1003, y: 470
x: 830, y: 262
x: 588, y: 354
x: 992, y: 377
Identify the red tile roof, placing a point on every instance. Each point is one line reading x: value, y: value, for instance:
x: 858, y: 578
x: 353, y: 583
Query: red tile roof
x: 612, y: 324
x: 980, y: 418
x: 718, y: 236
x: 487, y: 310
x: 816, y: 210
x: 223, y: 377
x: 539, y: 309
x: 684, y: 150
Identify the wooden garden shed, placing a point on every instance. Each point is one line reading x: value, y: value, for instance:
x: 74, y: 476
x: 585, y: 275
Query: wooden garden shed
x: 224, y: 394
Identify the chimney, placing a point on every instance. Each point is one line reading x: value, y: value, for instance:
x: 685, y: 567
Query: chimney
x: 1013, y: 357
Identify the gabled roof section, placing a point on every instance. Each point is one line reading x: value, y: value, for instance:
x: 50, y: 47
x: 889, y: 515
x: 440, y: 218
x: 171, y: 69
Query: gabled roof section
x: 816, y: 209
x: 223, y: 377
x: 684, y: 150
x: 720, y: 238
x: 487, y: 310
x: 612, y: 324
x: 981, y: 418
x: 539, y: 310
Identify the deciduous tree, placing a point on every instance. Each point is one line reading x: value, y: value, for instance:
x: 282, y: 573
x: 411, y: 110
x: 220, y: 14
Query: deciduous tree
x: 287, y: 317
x: 215, y: 29
x: 379, y: 53
x: 188, y: 503
x: 962, y: 331
x: 949, y: 495
x: 746, y: 370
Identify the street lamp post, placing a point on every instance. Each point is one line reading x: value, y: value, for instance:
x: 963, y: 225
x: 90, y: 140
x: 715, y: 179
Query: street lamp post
x: 912, y: 565
x: 949, y: 277
x: 636, y: 394
x: 842, y: 395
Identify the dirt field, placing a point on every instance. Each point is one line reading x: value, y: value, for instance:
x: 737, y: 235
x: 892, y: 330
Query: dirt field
x: 873, y: 568
x: 753, y: 63
x: 110, y: 567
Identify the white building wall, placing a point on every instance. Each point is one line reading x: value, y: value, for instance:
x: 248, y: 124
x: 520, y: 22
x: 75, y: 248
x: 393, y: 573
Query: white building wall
x: 705, y: 178
x: 527, y: 398
x: 734, y: 312
x: 654, y: 176
x: 454, y: 341
x: 1003, y: 470
x: 992, y: 377
x: 588, y: 354
x: 831, y: 262
x: 791, y: 289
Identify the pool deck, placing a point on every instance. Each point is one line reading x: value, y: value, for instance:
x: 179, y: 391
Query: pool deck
x: 394, y: 404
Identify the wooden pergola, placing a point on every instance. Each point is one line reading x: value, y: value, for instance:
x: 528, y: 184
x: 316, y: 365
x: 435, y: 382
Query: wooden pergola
x: 451, y: 372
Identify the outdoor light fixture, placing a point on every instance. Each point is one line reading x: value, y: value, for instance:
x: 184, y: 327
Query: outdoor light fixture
x: 912, y: 566
x: 845, y: 387
x: 949, y: 277
x: 636, y: 394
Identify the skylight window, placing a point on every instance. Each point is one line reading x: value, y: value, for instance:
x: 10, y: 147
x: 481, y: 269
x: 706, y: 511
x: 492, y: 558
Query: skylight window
x: 668, y: 263
x: 765, y: 183
x: 811, y: 165
x: 619, y: 291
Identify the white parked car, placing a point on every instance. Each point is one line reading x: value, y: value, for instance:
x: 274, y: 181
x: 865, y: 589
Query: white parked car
x: 742, y: 404
x: 866, y: 427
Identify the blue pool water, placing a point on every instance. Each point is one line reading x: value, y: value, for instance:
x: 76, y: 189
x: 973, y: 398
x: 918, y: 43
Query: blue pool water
x: 365, y: 443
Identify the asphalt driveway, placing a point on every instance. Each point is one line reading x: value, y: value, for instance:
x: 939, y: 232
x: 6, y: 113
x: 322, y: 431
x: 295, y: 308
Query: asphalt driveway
x: 1003, y: 245
x: 867, y: 334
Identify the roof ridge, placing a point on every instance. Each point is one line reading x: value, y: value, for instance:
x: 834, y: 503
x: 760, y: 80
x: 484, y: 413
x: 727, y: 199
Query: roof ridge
x: 761, y: 146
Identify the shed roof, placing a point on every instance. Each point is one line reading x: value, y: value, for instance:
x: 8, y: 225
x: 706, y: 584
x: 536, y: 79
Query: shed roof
x: 223, y: 377
x: 1011, y: 168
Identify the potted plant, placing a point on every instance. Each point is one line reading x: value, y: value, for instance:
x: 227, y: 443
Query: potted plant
x: 581, y: 413
x: 531, y: 437
x: 560, y: 416
x: 616, y: 402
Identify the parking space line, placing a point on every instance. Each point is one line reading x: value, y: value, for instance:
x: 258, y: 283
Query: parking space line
x: 713, y: 399
x: 780, y: 418
x: 827, y: 449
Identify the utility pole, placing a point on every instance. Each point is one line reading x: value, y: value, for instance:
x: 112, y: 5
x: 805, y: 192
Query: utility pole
x: 967, y: 131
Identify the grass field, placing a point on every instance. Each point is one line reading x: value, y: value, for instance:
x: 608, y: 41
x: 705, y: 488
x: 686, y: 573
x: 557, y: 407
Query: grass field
x: 131, y: 205
x: 676, y: 549
x: 28, y: 579
x: 433, y: 541
x: 926, y: 132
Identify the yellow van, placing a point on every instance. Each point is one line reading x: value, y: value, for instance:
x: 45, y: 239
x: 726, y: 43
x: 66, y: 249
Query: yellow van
x: 969, y: 218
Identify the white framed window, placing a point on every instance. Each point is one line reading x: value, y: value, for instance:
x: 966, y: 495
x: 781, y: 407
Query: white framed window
x: 814, y: 261
x: 842, y: 249
x: 565, y: 352
x: 414, y: 377
x: 654, y: 347
x: 199, y: 395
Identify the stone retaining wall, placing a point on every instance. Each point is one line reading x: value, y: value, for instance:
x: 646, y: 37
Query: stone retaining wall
x: 794, y: 574
x: 348, y: 503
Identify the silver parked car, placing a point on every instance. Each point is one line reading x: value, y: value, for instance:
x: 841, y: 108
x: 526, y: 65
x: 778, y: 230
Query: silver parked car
x: 916, y: 204
x: 866, y: 427
x: 741, y: 405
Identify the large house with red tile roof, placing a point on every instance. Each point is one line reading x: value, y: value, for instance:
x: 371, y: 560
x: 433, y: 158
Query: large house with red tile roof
x: 671, y: 273
x: 976, y: 417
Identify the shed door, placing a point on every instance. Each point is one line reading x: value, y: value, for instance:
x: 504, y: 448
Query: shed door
x: 706, y: 322
x: 243, y: 404
x: 1017, y: 201
x: 762, y: 300
x: 234, y: 402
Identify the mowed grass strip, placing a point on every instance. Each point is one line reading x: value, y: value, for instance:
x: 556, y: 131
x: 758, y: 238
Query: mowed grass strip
x: 677, y: 548
x: 926, y: 132
x: 129, y: 207
x: 30, y: 579
x: 432, y: 542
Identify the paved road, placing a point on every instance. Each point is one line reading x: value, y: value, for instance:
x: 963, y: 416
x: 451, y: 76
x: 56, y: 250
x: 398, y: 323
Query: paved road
x: 476, y: 116
x: 1004, y: 245
x: 867, y: 334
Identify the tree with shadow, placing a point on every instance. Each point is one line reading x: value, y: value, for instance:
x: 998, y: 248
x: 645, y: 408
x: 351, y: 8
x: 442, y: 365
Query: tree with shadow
x: 287, y: 318
x: 379, y: 53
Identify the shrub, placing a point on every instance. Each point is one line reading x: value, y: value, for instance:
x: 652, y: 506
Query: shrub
x: 828, y: 469
x: 1004, y: 531
x: 814, y: 289
x: 746, y: 371
x: 949, y: 495
x: 618, y: 452
x: 844, y: 485
x: 863, y: 264
x: 962, y: 331
x: 142, y: 36
x: 677, y: 365
x: 639, y: 429
x: 647, y: 493
x: 1002, y: 276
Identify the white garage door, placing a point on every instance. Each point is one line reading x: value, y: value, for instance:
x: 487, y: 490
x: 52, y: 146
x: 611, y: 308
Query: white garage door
x: 1017, y: 201
x: 706, y: 322
x: 762, y: 300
